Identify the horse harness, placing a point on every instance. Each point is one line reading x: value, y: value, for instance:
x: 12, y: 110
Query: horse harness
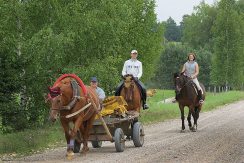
x: 131, y: 93
x: 76, y: 97
x: 192, y: 83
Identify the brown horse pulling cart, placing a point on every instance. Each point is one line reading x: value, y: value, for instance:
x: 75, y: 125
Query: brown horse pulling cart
x: 115, y: 129
x: 78, y: 104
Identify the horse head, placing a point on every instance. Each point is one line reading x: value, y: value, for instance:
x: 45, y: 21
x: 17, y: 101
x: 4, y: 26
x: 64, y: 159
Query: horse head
x: 128, y: 80
x: 60, y: 95
x: 180, y: 81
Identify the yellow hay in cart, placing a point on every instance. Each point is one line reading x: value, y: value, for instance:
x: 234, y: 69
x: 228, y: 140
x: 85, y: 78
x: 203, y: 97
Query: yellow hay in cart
x: 114, y: 105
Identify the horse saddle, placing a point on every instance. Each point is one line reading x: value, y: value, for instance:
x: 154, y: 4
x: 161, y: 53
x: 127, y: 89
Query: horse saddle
x: 195, y: 87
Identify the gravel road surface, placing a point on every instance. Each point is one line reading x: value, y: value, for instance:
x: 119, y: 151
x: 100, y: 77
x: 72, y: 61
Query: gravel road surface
x: 220, y: 138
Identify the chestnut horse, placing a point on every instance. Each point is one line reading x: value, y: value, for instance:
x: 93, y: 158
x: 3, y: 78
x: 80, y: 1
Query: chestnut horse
x: 186, y: 95
x: 70, y: 96
x: 131, y: 93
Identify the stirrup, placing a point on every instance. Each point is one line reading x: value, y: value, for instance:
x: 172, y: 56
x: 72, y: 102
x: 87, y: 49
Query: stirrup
x: 201, y: 101
x: 145, y: 107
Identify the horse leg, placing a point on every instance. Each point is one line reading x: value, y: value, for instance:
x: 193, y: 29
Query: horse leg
x: 74, y: 131
x: 182, y: 117
x: 197, y: 110
x: 70, y: 152
x: 194, y: 114
x: 86, y: 134
x: 189, y: 120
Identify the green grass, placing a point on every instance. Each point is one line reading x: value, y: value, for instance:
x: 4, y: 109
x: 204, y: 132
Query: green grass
x: 31, y: 141
x: 161, y: 111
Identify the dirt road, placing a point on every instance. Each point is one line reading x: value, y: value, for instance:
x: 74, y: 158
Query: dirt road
x: 220, y: 138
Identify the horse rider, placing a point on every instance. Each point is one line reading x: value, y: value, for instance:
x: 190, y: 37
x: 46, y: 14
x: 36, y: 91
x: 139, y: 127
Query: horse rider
x: 99, y: 91
x: 191, y: 70
x: 134, y: 67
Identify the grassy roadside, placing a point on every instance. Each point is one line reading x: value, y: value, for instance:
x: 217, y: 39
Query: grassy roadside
x: 160, y: 111
x: 32, y: 141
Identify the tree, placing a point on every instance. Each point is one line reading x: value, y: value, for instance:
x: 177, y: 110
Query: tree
x: 228, y: 46
x: 172, y: 60
x: 197, y: 31
x: 40, y: 40
x: 172, y: 31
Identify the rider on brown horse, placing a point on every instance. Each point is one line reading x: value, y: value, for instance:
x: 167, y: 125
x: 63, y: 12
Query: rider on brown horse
x: 191, y: 70
x: 134, y: 67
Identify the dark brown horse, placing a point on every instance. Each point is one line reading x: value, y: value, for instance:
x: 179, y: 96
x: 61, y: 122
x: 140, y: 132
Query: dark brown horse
x: 186, y: 95
x: 70, y: 99
x: 131, y: 93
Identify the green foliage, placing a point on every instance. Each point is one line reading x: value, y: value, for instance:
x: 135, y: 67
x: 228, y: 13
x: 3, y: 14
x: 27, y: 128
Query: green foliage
x: 172, y: 31
x: 40, y: 40
x: 172, y: 60
x: 197, y: 26
x: 228, y: 47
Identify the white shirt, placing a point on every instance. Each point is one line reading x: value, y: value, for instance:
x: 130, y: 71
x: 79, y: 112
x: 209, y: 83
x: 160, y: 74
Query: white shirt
x: 100, y: 93
x: 133, y: 67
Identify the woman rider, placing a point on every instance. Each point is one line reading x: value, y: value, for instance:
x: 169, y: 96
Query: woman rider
x: 191, y: 69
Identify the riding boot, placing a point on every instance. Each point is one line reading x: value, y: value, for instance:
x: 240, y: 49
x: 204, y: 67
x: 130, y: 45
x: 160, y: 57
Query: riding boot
x: 200, y: 97
x: 145, y: 106
x: 118, y: 89
x: 143, y: 94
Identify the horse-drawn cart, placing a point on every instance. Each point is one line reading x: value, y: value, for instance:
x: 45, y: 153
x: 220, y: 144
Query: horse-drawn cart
x: 116, y: 126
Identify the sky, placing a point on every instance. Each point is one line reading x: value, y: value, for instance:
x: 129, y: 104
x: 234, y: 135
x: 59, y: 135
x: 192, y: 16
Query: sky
x: 176, y: 8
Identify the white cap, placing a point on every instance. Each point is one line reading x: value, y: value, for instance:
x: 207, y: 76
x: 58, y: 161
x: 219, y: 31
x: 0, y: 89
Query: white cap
x: 134, y: 51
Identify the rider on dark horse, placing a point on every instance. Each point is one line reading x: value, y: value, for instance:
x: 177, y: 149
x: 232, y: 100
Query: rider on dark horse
x: 191, y: 70
x: 134, y: 67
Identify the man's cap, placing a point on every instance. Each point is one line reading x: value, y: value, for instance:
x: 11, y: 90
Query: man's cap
x: 94, y: 79
x: 134, y: 51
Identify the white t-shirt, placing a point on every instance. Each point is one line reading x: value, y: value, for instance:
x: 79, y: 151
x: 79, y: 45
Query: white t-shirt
x: 133, y: 67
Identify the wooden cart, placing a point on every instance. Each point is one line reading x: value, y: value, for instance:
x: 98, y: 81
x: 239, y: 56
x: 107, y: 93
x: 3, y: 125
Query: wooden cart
x: 119, y: 130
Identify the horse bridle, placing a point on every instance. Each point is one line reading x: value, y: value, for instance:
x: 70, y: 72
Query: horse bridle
x: 130, y: 89
x: 189, y: 81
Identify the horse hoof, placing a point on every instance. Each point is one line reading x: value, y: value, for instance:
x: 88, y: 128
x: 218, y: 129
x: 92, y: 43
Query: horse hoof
x: 182, y: 131
x: 193, y: 129
x: 70, y: 155
x: 84, y: 150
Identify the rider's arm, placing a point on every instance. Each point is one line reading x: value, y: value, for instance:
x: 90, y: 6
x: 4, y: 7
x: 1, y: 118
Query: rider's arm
x: 140, y: 71
x: 183, y: 69
x: 124, y: 70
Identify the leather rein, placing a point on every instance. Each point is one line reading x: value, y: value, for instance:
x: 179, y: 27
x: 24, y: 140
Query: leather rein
x: 76, y: 97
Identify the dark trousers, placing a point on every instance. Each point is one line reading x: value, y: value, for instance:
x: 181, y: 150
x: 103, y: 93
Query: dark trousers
x: 141, y: 87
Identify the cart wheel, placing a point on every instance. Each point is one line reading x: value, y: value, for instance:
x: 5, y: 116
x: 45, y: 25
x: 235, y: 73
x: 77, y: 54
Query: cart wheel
x: 76, y: 146
x: 138, y: 134
x: 119, y: 140
x: 96, y: 144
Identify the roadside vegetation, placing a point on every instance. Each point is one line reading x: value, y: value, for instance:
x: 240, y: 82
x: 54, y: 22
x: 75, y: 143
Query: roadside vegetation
x: 51, y: 136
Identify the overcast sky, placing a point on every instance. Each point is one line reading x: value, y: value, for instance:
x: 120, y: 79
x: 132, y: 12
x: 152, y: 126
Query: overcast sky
x: 176, y: 8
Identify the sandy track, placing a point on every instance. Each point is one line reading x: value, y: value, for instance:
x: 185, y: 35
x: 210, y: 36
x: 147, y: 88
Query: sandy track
x: 220, y: 138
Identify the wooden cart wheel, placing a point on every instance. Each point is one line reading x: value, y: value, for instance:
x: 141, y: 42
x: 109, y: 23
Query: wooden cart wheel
x: 119, y: 140
x: 96, y: 144
x: 76, y: 146
x: 138, y: 134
